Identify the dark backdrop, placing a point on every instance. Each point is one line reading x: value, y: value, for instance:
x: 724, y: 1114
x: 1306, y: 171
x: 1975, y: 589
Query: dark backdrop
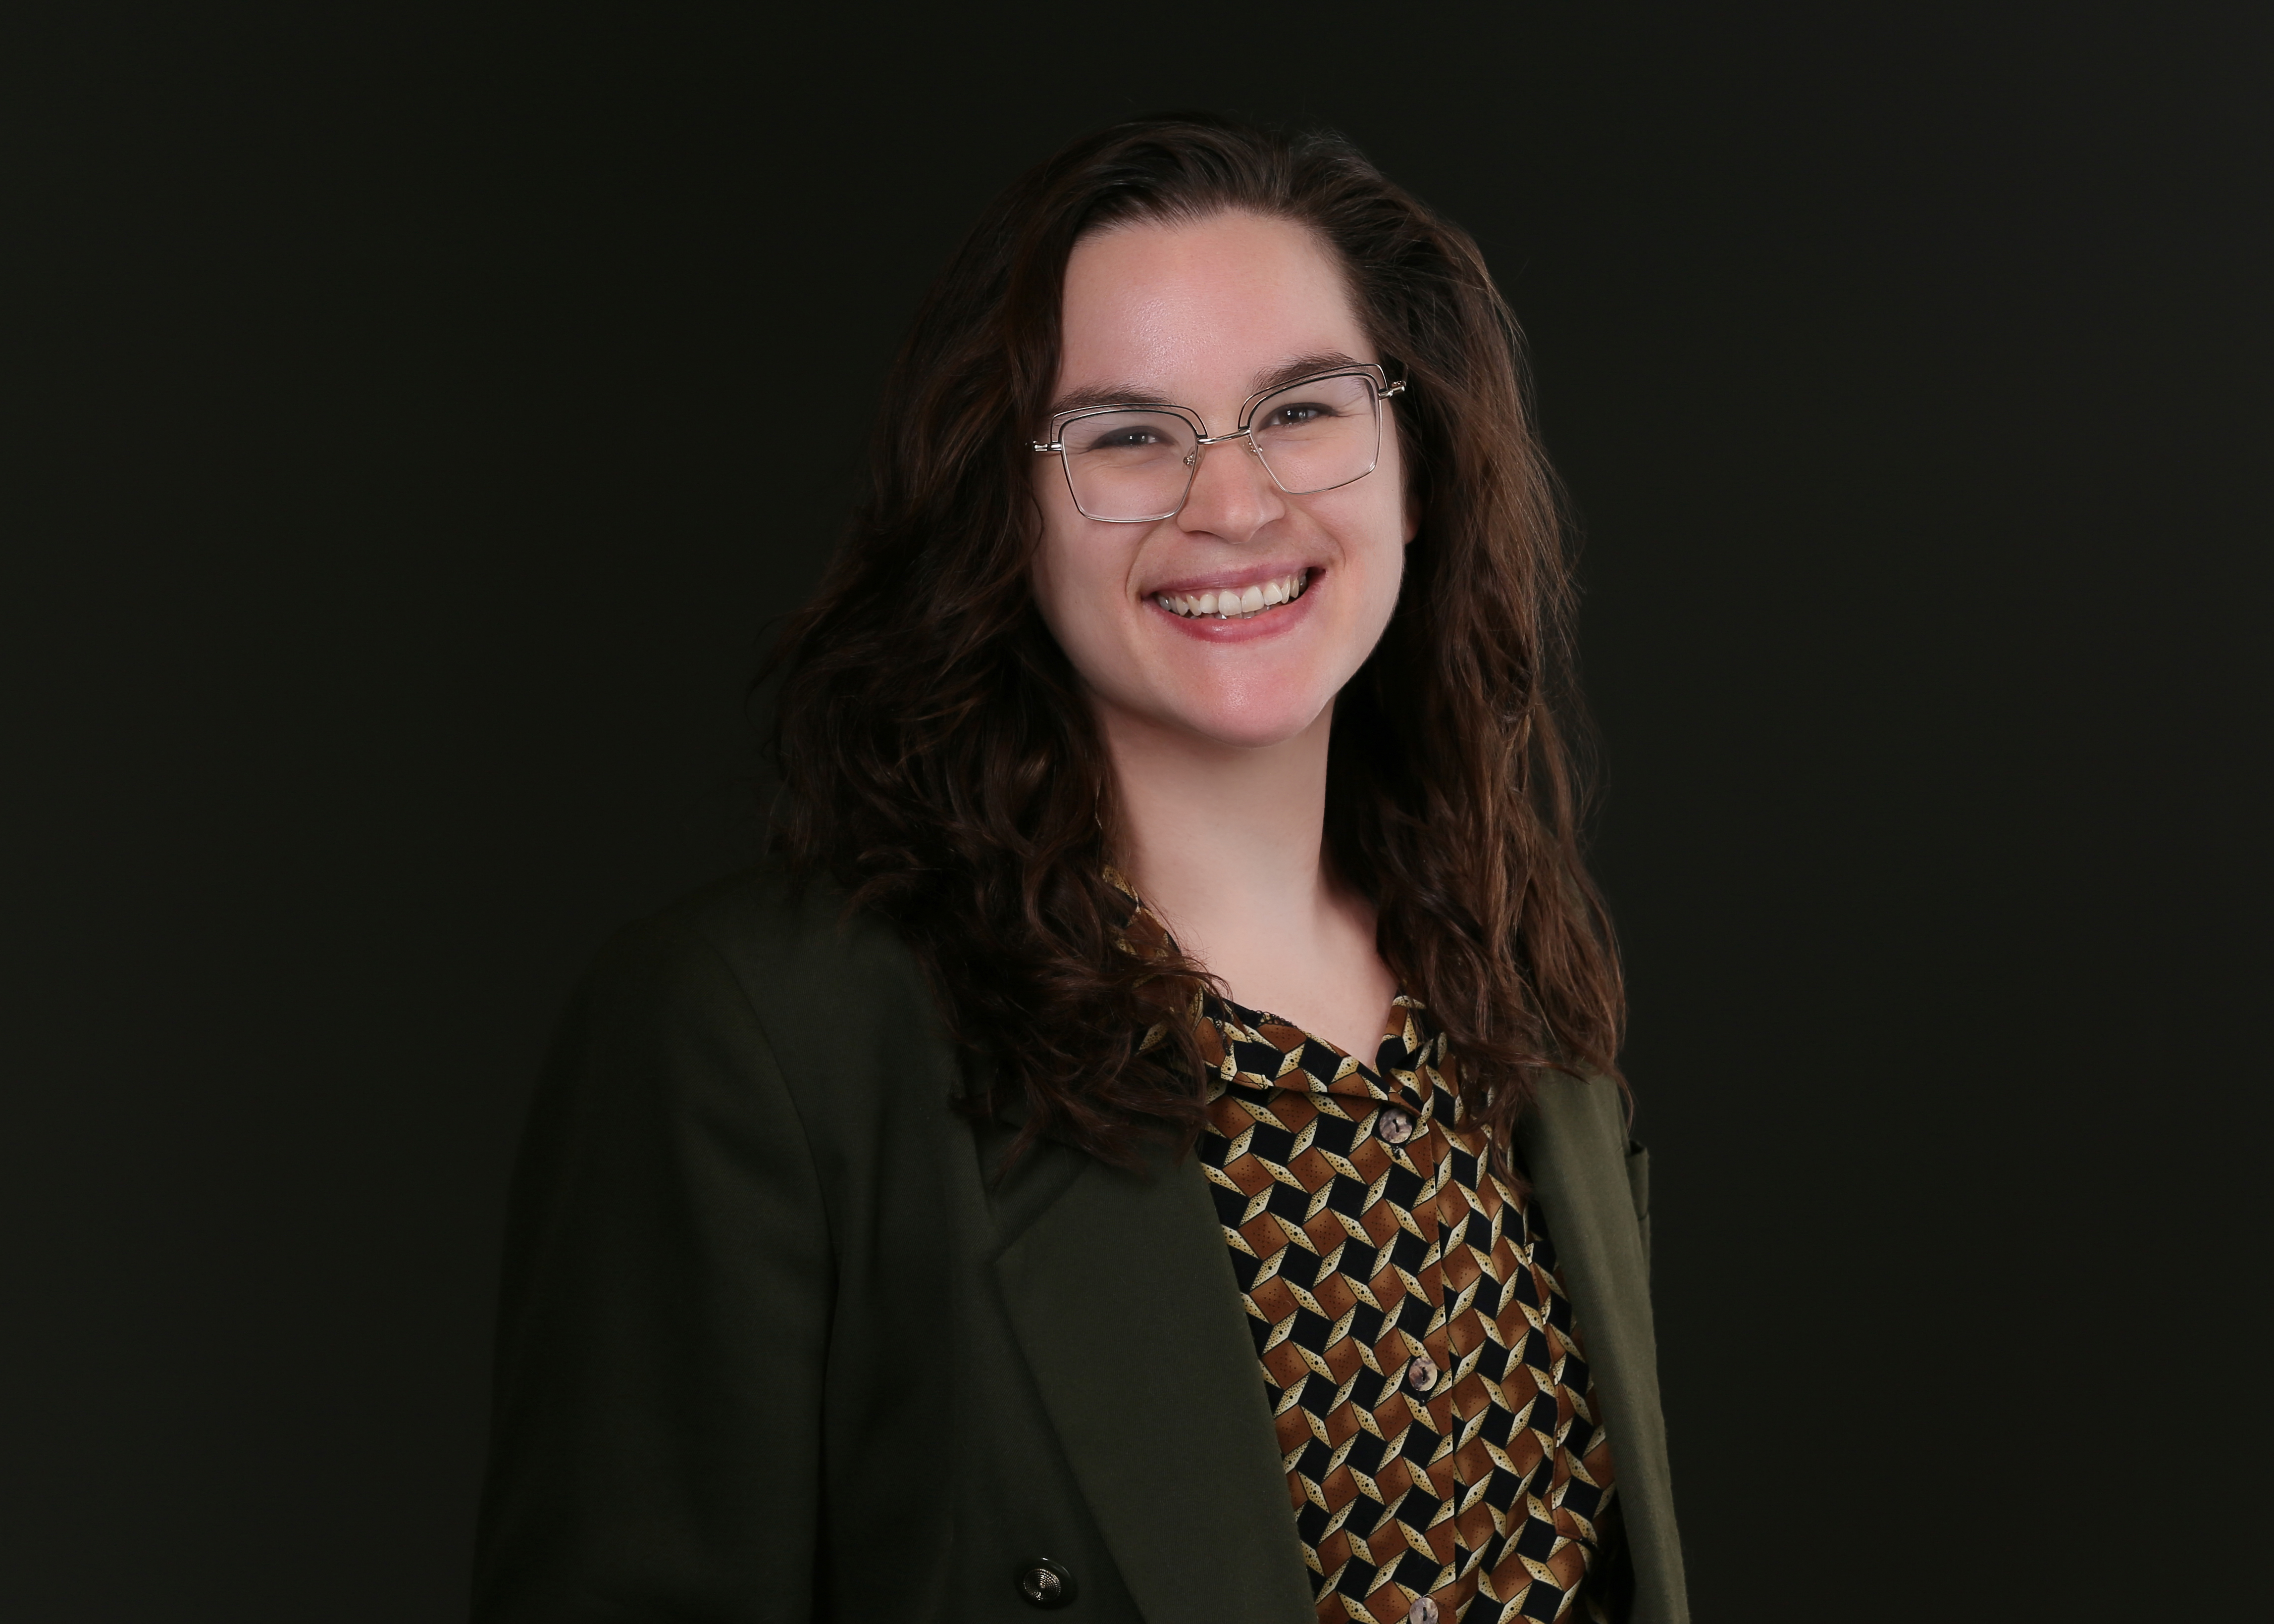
x: 412, y: 423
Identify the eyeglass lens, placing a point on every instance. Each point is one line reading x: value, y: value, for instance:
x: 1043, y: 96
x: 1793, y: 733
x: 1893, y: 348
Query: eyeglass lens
x: 1139, y: 464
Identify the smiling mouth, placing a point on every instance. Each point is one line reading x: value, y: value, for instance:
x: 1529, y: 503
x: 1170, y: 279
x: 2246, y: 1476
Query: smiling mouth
x: 1234, y: 603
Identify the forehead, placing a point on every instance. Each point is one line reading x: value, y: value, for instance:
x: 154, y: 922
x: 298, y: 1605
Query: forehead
x: 1195, y: 311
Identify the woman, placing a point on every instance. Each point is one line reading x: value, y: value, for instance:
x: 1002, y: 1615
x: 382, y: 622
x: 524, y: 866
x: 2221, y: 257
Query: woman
x: 1108, y: 1161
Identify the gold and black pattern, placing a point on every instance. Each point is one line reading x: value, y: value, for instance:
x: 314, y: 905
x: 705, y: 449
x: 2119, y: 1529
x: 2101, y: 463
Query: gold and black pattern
x: 1445, y: 1458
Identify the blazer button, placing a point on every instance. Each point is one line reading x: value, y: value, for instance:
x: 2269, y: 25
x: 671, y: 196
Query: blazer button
x: 1421, y: 1375
x: 1045, y: 1584
x: 1395, y: 1128
x: 1422, y: 1612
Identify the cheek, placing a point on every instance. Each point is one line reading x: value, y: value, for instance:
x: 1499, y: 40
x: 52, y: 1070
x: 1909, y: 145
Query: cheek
x: 1073, y: 583
x: 1391, y: 471
x: 1374, y: 555
x: 1053, y: 554
x: 1379, y: 531
x: 1054, y: 594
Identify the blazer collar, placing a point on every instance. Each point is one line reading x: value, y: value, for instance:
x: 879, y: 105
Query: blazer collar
x: 1122, y: 1298
x: 1573, y: 1144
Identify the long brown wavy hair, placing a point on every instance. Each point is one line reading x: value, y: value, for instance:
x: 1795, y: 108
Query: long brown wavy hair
x: 939, y: 757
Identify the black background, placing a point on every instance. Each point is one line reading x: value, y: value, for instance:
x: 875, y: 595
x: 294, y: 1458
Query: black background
x: 412, y: 422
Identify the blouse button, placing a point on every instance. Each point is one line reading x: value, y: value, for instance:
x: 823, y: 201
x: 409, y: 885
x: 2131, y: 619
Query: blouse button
x: 1395, y: 1128
x: 1422, y: 1612
x: 1421, y: 1372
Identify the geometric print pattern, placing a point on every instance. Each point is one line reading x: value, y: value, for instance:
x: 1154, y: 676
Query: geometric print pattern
x: 1445, y: 1458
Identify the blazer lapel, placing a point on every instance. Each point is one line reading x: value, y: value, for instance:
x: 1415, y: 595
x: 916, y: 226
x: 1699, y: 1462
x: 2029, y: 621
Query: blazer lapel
x: 1122, y: 1297
x: 1573, y: 1143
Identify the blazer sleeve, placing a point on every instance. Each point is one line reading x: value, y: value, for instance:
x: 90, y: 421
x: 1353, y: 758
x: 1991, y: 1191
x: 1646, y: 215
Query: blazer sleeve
x: 664, y: 1309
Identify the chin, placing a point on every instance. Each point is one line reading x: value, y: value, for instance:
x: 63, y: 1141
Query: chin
x: 1242, y: 727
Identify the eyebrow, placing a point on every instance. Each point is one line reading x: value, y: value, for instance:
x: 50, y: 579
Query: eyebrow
x: 1139, y: 395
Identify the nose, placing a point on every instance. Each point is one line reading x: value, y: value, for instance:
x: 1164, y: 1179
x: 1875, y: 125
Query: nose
x: 1233, y: 495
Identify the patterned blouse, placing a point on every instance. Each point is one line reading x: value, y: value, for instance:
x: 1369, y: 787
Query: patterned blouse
x: 1445, y: 1458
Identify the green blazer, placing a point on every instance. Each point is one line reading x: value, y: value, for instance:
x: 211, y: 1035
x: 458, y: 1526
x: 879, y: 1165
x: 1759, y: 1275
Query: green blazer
x: 775, y: 1344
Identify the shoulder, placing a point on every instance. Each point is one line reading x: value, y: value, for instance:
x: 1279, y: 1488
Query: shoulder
x: 1586, y: 1113
x: 785, y: 939
x: 1572, y: 1140
x: 770, y: 959
x: 1583, y: 1121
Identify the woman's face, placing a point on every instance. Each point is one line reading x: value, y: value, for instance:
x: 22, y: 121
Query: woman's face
x: 1203, y: 315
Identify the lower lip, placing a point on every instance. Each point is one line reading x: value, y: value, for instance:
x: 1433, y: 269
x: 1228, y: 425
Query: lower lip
x: 1270, y: 623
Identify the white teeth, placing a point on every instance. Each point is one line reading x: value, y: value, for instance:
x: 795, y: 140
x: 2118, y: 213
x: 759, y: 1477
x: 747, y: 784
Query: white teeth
x: 1225, y: 605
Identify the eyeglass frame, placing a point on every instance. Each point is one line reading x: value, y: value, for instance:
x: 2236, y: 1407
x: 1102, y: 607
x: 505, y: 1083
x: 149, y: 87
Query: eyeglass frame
x: 1374, y: 371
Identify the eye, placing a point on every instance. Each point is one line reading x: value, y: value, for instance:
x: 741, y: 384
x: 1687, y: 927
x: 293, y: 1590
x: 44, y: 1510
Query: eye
x: 1298, y: 414
x: 1128, y: 436
x: 1123, y: 439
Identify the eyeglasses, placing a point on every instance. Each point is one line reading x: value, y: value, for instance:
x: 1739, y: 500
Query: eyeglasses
x: 1135, y: 464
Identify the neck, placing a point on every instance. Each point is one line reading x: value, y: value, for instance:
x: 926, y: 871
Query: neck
x: 1219, y: 840
x: 1226, y: 846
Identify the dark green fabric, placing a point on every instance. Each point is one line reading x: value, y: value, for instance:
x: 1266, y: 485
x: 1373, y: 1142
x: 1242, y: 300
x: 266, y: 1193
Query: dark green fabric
x: 1593, y: 1189
x: 774, y: 1345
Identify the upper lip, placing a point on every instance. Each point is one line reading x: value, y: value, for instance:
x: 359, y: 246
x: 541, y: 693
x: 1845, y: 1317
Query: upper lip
x: 1229, y: 580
